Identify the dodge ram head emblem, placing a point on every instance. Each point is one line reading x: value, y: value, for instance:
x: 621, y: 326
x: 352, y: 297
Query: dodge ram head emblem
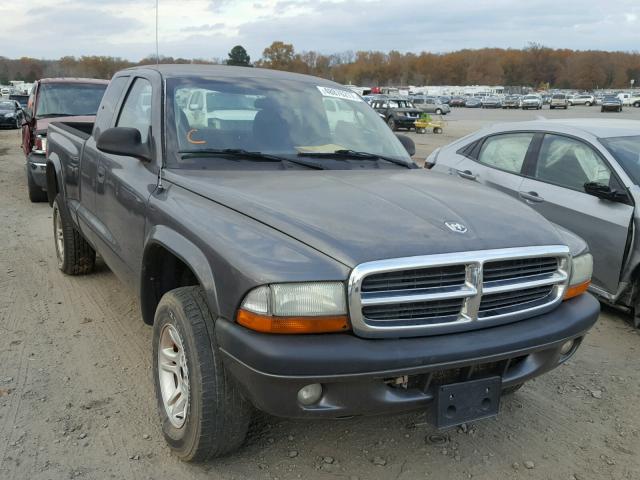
x: 456, y: 227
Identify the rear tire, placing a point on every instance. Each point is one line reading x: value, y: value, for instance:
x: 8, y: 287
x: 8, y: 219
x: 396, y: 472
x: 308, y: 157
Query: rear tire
x: 75, y: 255
x: 587, y: 104
x: 36, y: 194
x: 215, y: 417
x: 438, y: 111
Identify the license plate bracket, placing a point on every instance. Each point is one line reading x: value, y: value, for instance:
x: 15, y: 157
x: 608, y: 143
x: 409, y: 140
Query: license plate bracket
x: 464, y: 402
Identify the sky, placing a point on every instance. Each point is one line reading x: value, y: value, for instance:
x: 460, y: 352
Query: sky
x: 210, y: 28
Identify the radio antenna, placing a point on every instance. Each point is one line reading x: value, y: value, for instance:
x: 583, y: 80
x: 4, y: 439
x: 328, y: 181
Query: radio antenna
x: 157, y: 48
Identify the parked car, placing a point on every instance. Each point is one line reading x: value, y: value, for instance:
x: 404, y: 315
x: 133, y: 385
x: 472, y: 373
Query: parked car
x: 286, y: 269
x: 398, y: 112
x: 491, y: 102
x: 75, y: 99
x: 611, y: 104
x: 582, y: 174
x: 629, y: 99
x: 430, y: 104
x: 11, y: 114
x: 511, y: 101
x: 457, y: 101
x: 5, y: 91
x: 473, y: 102
x: 559, y: 100
x: 531, y: 101
x: 583, y: 99
x: 23, y: 100
x: 444, y: 99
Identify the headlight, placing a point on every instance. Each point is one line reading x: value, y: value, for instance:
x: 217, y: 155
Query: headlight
x: 8, y: 115
x: 313, y: 307
x: 581, y: 270
x: 400, y: 114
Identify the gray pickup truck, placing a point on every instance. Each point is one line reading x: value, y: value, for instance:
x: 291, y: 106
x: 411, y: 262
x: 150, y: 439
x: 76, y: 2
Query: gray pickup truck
x: 292, y: 258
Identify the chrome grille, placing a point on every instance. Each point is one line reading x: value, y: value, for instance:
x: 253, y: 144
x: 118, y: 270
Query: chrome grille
x: 454, y: 292
x: 445, y: 276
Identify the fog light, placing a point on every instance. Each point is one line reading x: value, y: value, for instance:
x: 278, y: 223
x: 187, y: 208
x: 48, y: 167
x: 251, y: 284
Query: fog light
x: 310, y: 394
x: 566, y: 347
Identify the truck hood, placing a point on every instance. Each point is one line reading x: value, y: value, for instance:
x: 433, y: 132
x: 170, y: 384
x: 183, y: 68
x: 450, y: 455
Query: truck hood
x: 360, y: 216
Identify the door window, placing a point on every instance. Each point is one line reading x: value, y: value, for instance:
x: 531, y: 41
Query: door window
x: 570, y: 163
x: 506, y: 152
x: 136, y: 111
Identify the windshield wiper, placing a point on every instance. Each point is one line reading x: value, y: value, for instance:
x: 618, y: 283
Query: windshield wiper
x: 239, y: 152
x: 355, y: 155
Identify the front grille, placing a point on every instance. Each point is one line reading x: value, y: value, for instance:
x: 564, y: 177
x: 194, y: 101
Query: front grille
x: 492, y: 304
x: 522, y: 267
x: 445, y: 276
x: 415, y: 311
x: 455, y: 292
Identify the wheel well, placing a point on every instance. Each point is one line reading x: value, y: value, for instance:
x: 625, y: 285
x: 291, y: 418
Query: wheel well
x: 161, y: 271
x: 52, y: 183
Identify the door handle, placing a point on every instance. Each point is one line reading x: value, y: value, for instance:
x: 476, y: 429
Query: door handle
x: 100, y: 174
x: 531, y: 197
x: 468, y: 174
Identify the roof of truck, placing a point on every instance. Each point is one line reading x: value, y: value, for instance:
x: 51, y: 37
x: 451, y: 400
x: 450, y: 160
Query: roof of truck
x: 181, y: 70
x: 72, y: 80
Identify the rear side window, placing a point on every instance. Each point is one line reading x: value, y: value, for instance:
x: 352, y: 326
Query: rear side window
x: 136, y: 111
x: 506, y: 152
x: 109, y: 104
x: 570, y: 163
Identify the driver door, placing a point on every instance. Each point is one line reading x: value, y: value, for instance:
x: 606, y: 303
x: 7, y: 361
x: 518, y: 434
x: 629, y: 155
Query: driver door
x: 556, y: 190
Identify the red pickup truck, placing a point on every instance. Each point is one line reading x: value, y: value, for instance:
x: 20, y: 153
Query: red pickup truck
x: 76, y: 99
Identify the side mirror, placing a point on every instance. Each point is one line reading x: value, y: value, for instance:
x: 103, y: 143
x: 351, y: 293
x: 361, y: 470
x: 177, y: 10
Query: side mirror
x: 124, y: 141
x: 408, y: 144
x: 605, y: 192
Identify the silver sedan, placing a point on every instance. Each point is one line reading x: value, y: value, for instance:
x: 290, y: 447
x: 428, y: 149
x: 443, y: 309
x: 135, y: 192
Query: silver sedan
x: 583, y: 174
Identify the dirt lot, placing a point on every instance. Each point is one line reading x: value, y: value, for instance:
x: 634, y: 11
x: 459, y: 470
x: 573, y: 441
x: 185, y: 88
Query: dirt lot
x: 76, y: 395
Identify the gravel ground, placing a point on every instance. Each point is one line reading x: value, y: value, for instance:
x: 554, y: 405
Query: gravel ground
x: 76, y: 395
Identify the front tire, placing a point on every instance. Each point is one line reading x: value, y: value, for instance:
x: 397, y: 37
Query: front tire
x: 392, y: 124
x: 587, y: 104
x: 438, y: 112
x: 75, y: 255
x: 202, y: 411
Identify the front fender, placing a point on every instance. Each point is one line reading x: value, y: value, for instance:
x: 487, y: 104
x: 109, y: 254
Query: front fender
x: 54, y: 178
x: 190, y: 255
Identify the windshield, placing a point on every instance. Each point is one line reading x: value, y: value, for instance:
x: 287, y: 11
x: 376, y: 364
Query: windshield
x: 531, y: 97
x: 558, y: 97
x: 7, y: 106
x: 286, y: 118
x: 69, y: 99
x: 626, y: 150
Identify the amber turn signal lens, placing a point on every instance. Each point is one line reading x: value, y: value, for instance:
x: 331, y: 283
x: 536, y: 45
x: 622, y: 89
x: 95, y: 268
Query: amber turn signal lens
x: 269, y: 324
x: 575, y: 290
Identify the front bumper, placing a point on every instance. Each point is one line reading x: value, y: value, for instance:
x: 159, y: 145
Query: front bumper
x: 37, y: 168
x: 7, y: 121
x: 357, y: 374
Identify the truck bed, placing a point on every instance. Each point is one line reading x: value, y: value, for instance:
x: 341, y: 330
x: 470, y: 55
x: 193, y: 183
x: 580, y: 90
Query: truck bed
x: 79, y: 129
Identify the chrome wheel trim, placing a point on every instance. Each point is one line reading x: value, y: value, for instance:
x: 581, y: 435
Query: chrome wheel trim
x: 173, y: 376
x: 58, y: 235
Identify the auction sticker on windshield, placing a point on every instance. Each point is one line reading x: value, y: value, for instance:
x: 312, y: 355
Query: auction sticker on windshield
x: 338, y: 93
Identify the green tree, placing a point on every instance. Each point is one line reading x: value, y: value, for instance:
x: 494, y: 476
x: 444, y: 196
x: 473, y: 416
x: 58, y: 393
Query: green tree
x: 238, y: 56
